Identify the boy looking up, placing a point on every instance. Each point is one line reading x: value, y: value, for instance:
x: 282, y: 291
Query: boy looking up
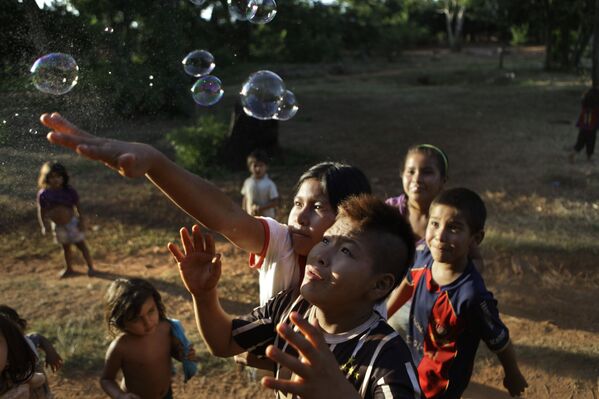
x: 451, y: 308
x: 326, y: 339
x: 260, y: 195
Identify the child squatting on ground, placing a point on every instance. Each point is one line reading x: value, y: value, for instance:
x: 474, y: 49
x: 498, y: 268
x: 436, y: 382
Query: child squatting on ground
x: 36, y: 342
x: 144, y: 342
x: 451, y: 307
x: 327, y: 338
x: 58, y: 208
x: 260, y: 195
x: 18, y: 379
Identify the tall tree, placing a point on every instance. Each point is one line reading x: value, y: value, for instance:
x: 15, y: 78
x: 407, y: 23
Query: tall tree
x: 454, y: 11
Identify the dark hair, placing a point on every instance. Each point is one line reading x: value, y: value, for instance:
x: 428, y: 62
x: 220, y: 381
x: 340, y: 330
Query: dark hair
x: 590, y: 98
x: 338, y: 181
x: 393, y: 246
x: 14, y: 316
x: 257, y: 156
x: 432, y: 151
x: 21, y: 360
x: 52, y: 167
x: 466, y: 202
x: 124, y: 299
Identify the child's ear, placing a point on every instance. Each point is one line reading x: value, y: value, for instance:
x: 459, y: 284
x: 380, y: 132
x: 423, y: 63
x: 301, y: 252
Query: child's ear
x: 382, y: 286
x: 478, y: 237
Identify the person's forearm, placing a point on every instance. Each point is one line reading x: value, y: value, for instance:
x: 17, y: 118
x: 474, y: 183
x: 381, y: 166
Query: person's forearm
x: 215, y: 325
x: 507, y: 357
x: 398, y: 297
x: 111, y: 388
x: 206, y: 203
x: 41, y: 218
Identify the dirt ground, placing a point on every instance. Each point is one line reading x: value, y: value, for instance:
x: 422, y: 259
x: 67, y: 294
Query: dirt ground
x: 544, y: 276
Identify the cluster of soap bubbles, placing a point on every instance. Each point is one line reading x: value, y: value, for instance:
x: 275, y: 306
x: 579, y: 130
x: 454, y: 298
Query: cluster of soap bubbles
x: 207, y: 90
x: 55, y: 73
x: 254, y: 11
x: 264, y: 96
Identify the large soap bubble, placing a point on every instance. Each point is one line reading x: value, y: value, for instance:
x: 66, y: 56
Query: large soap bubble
x: 287, y: 108
x: 55, y: 73
x: 261, y: 94
x: 198, y: 2
x: 242, y: 9
x: 207, y: 90
x: 198, y: 63
x: 264, y: 11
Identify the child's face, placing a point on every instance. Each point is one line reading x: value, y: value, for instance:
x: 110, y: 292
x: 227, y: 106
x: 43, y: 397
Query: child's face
x: 310, y: 216
x: 339, y: 269
x: 448, y: 235
x: 54, y: 180
x: 258, y: 169
x: 421, y: 177
x: 3, y: 353
x: 146, y: 321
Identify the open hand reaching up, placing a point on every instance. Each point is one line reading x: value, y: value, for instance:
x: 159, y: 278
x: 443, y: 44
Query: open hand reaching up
x: 129, y: 159
x: 199, y: 264
x: 316, y: 372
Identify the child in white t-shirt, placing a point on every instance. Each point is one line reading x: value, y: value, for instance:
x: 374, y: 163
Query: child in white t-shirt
x: 260, y: 195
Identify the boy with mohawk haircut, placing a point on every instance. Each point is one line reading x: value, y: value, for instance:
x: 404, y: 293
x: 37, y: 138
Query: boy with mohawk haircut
x: 326, y: 338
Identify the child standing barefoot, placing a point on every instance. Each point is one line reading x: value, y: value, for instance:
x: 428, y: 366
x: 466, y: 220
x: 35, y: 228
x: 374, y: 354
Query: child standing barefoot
x: 58, y: 208
x: 260, y: 195
x: 145, y: 344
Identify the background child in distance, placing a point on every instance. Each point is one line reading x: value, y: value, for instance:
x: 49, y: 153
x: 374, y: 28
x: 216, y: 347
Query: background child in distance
x: 58, y: 208
x: 277, y: 250
x: 260, y: 195
x: 145, y: 344
x: 17, y: 362
x: 423, y: 174
x: 357, y: 264
x: 587, y: 124
x: 36, y: 341
x: 451, y: 308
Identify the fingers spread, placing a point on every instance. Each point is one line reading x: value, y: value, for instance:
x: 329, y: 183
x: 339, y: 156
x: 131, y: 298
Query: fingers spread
x: 198, y: 240
x: 186, y: 240
x: 176, y: 252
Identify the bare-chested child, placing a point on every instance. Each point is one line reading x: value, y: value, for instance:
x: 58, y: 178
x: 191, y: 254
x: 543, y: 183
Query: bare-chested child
x: 58, y: 209
x: 143, y: 348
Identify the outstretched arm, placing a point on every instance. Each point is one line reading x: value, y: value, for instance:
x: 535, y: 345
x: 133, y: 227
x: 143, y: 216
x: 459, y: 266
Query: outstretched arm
x: 200, y: 268
x: 316, y: 371
x: 195, y: 195
x: 514, y: 381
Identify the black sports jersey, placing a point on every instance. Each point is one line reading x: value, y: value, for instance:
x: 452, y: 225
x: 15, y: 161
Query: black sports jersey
x: 372, y: 356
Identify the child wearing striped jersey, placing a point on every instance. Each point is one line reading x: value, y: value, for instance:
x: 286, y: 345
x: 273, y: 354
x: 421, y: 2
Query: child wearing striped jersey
x: 326, y: 337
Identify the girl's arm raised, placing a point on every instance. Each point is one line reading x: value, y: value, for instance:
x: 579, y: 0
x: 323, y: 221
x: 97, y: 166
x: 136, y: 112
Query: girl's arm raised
x: 193, y: 194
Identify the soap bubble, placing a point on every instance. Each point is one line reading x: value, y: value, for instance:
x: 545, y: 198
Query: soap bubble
x: 207, y: 90
x: 288, y: 107
x: 198, y: 63
x: 262, y: 94
x: 242, y: 9
x: 55, y: 73
x: 198, y: 2
x: 264, y: 11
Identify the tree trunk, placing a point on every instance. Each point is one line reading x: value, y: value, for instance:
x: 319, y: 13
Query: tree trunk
x: 596, y: 47
x: 247, y: 134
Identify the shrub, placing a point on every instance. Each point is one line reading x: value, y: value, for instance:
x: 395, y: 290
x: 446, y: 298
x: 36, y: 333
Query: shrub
x: 197, y: 148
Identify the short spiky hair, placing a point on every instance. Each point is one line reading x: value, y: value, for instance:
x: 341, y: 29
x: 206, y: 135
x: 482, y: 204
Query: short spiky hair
x: 124, y: 299
x: 392, y: 242
x: 257, y: 156
x: 468, y: 203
